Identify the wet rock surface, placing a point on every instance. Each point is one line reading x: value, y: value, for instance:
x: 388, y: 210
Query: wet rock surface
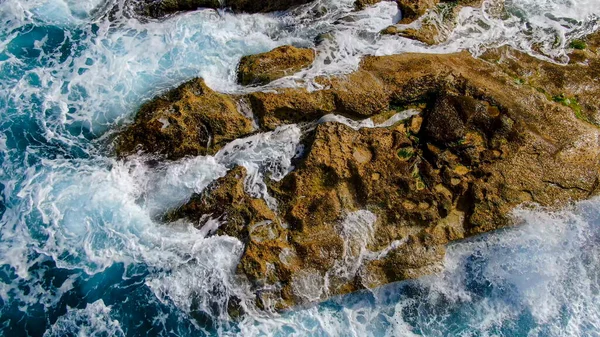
x: 157, y: 9
x: 365, y: 207
x: 252, y: 6
x: 277, y: 63
x: 190, y: 120
x: 574, y: 85
x: 432, y: 23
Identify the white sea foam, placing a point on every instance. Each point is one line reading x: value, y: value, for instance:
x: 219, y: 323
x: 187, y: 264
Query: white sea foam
x: 368, y: 123
x: 545, y: 270
x: 93, y: 321
x: 69, y: 77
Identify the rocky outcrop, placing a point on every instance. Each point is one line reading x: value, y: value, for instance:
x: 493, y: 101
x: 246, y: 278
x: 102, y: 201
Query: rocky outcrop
x: 372, y: 206
x: 190, y: 120
x: 160, y: 8
x: 277, y: 63
x: 434, y: 22
x: 574, y: 85
x: 376, y: 205
x: 268, y: 256
x: 413, y: 9
x: 361, y: 95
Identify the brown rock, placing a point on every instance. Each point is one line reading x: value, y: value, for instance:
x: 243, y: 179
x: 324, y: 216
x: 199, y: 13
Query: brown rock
x: 569, y: 85
x: 290, y: 106
x: 226, y: 200
x: 279, y: 62
x: 481, y: 146
x: 371, y: 206
x: 413, y: 9
x: 435, y: 20
x: 360, y: 95
x: 189, y: 120
x: 268, y: 258
x: 362, y: 4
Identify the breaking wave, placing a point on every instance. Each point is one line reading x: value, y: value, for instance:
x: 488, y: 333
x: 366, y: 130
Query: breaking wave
x: 82, y: 251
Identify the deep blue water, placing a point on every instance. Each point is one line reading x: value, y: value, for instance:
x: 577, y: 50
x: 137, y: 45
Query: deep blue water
x: 82, y: 255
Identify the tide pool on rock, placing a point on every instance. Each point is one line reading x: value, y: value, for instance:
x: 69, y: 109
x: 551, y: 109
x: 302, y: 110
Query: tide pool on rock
x: 82, y: 251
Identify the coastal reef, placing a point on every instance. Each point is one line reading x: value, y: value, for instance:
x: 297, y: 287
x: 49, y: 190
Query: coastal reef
x: 373, y: 205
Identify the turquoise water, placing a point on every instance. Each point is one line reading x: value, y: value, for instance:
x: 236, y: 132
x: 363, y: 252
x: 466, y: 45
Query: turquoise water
x: 81, y: 252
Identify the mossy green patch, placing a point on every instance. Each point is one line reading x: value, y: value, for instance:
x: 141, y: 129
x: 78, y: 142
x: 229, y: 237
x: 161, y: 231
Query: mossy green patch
x: 572, y: 103
x: 406, y: 153
x: 578, y: 44
x: 519, y: 81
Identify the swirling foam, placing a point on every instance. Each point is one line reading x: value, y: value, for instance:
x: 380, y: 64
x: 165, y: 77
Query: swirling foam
x: 81, y: 249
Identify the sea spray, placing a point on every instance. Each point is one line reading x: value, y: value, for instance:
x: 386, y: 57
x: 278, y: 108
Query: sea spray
x: 83, y: 253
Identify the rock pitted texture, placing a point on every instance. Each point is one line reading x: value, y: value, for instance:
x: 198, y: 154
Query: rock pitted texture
x: 376, y: 205
x: 190, y: 120
x: 372, y: 206
x: 277, y: 63
x: 574, y: 85
x: 359, y: 95
x: 413, y: 9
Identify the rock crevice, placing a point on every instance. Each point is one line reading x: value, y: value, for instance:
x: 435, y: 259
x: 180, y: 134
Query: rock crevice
x: 369, y: 206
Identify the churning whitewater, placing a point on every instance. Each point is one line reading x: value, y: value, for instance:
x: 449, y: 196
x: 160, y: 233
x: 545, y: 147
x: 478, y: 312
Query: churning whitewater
x: 83, y: 251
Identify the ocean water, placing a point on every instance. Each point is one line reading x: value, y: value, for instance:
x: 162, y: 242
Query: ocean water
x: 83, y: 254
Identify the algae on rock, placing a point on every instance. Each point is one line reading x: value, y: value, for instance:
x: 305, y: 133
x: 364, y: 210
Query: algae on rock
x: 376, y: 205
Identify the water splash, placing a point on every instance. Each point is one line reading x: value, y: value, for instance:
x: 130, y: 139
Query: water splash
x: 539, y: 279
x: 82, y: 252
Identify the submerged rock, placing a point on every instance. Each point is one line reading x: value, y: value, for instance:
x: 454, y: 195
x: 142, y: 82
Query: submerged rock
x: 277, y: 63
x: 362, y: 4
x: 253, y: 6
x: 189, y: 120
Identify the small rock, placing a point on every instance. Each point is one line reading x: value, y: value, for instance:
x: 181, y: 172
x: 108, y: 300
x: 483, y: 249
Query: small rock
x: 189, y: 120
x: 280, y: 62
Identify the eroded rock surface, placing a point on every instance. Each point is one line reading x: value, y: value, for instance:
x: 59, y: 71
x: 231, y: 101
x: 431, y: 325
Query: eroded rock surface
x: 432, y: 23
x: 574, y: 85
x: 376, y: 205
x: 277, y: 63
x: 190, y: 120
